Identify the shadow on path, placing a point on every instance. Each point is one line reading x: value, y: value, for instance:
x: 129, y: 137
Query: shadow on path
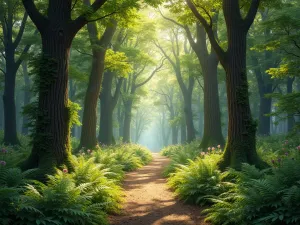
x: 149, y: 202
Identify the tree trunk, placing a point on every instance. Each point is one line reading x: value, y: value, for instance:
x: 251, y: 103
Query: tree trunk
x: 51, y: 142
x: 72, y: 93
x: 120, y: 117
x: 241, y: 144
x: 209, y: 63
x: 212, y: 134
x: 189, y: 118
x: 183, y: 132
x: 289, y: 90
x: 106, y: 115
x: 264, y: 124
x: 89, y: 120
x: 174, y: 126
x: 127, y: 121
x: 27, y: 96
x: 1, y: 111
x: 10, y: 124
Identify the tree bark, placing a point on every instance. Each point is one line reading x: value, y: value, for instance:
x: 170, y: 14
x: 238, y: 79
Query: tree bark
x: 10, y: 124
x: 241, y: 144
x: 72, y: 93
x: 289, y: 90
x: 27, y: 95
x: 1, y: 112
x: 127, y: 121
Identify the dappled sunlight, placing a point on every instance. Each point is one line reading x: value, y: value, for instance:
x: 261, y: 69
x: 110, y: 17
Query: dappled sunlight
x: 150, y: 202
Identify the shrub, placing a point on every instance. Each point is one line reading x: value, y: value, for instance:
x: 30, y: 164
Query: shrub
x: 183, y: 154
x: 62, y: 202
x: 193, y: 182
x: 260, y: 197
x: 104, y: 188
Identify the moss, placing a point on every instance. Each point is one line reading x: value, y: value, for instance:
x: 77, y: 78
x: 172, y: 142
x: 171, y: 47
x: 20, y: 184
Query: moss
x: 42, y: 155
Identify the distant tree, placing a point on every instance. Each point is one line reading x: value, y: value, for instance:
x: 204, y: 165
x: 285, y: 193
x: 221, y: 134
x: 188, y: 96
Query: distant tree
x: 186, y: 89
x: 13, y: 21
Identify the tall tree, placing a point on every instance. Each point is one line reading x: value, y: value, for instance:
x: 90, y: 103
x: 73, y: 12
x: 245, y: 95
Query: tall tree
x: 27, y: 95
x: 209, y: 65
x: 99, y: 47
x: 13, y: 21
x: 130, y: 87
x: 186, y: 89
x: 51, y: 141
x: 116, y: 69
x: 167, y: 99
x: 241, y: 143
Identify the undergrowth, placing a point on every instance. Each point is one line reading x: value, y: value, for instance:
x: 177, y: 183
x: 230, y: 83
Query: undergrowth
x: 83, y: 197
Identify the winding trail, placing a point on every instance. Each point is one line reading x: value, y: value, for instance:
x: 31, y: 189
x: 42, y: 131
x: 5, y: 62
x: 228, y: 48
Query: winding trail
x: 149, y: 202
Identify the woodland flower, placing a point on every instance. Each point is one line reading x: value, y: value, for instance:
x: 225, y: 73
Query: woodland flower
x: 279, y: 160
x: 89, y: 151
x: 4, y: 150
x: 213, y: 148
x: 219, y: 146
x: 202, y: 153
x: 273, y: 161
x: 65, y: 170
x: 3, y: 163
x: 286, y: 153
x: 209, y: 148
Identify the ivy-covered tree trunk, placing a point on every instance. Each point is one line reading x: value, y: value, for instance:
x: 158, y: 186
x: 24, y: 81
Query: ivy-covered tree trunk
x: 51, y: 140
x: 51, y: 137
x: 241, y: 143
x: 264, y: 124
x: 72, y: 93
x: 1, y: 112
x: 289, y: 90
x: 27, y: 96
x: 89, y: 120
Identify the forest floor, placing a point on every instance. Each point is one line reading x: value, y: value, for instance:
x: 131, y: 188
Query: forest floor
x: 150, y: 202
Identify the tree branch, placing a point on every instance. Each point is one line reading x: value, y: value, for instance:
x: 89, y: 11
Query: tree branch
x: 251, y: 14
x: 84, y: 53
x: 1, y: 70
x: 102, y: 17
x: 165, y: 54
x: 82, y: 20
x: 21, y: 31
x: 151, y: 75
x: 37, y: 18
x: 210, y: 32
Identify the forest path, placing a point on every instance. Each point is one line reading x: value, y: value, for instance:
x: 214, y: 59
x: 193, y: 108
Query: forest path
x: 149, y: 202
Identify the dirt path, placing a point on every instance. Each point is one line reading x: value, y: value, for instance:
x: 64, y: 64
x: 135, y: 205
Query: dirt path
x: 149, y: 202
